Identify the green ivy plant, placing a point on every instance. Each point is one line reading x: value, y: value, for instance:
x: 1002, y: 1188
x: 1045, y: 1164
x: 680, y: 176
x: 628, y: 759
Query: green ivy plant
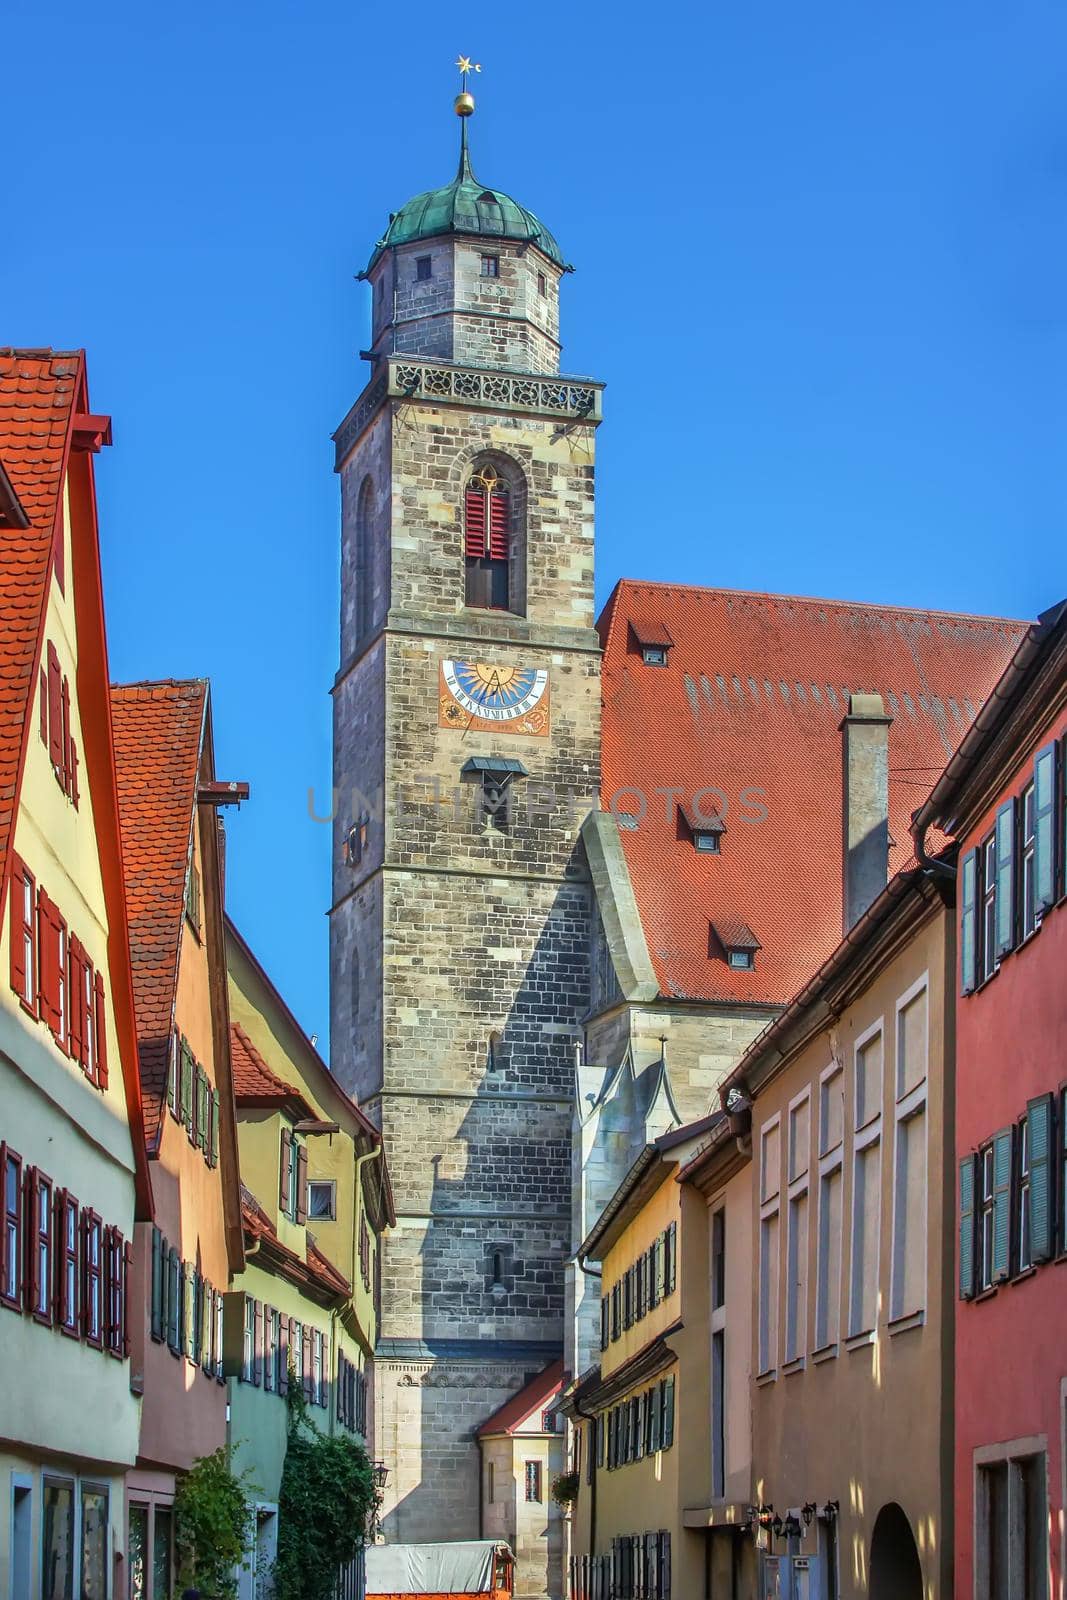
x: 212, y: 1525
x: 326, y: 1506
x: 565, y: 1488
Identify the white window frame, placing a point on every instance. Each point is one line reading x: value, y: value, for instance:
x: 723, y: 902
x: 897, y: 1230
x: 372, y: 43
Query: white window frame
x: 905, y: 1107
x: 323, y: 1183
x: 767, y: 1343
x: 797, y: 1189
x: 864, y: 1136
x: 831, y: 1161
x: 1013, y: 1454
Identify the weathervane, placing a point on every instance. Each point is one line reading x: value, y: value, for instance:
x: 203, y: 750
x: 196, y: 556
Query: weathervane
x: 465, y: 100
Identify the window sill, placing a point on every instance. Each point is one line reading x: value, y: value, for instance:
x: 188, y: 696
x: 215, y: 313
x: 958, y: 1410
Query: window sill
x: 1021, y: 1277
x: 904, y: 1324
x: 828, y: 1352
x: 859, y: 1341
x: 770, y: 1376
x: 797, y: 1364
x: 986, y: 1294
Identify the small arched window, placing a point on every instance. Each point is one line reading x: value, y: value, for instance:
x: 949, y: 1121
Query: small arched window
x: 487, y: 540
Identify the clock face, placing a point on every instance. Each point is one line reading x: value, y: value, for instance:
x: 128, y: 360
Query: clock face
x: 481, y: 694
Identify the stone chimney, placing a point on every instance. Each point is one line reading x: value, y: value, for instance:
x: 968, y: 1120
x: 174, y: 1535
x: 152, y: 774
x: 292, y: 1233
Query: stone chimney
x: 865, y: 811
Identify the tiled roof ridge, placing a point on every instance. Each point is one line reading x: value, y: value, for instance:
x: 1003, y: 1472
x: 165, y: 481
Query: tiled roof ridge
x: 260, y: 1064
x: 124, y: 689
x: 713, y: 590
x: 42, y: 352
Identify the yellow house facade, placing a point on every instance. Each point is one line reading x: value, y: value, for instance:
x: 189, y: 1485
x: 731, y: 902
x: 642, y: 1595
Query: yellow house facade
x: 73, y: 1172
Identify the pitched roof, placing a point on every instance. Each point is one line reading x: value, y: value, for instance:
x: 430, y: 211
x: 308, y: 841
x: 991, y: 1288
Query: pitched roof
x: 158, y: 732
x: 38, y: 392
x: 533, y: 1396
x: 750, y: 706
x: 316, y: 1271
x: 253, y: 1081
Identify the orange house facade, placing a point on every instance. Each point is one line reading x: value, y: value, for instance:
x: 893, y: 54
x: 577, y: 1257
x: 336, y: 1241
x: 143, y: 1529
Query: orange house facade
x: 183, y: 1260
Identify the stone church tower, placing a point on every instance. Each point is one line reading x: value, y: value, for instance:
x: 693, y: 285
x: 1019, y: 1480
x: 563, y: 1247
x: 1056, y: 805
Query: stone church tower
x: 466, y: 755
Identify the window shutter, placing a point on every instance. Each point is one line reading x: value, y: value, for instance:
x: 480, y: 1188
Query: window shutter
x: 44, y: 708
x: 55, y: 709
x: 1002, y: 1150
x: 64, y: 695
x: 498, y: 525
x: 213, y: 1145
x: 306, y: 1344
x: 1044, y: 827
x: 83, y: 1272
x: 1006, y: 877
x: 286, y: 1169
x: 257, y: 1344
x: 672, y: 1233
x: 157, y: 1285
x: 474, y: 526
x: 967, y: 1226
x: 668, y: 1413
x: 185, y: 1106
x: 48, y: 960
x: 72, y: 774
x: 59, y: 1197
x: 301, y: 1184
x: 16, y: 891
x: 603, y: 1324
x: 127, y: 1279
x: 100, y: 1032
x: 324, y: 1399
x: 31, y: 1186
x: 76, y: 998
x: 968, y: 921
x: 1039, y: 1135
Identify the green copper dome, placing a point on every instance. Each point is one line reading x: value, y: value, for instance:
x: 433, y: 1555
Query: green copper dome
x: 466, y: 206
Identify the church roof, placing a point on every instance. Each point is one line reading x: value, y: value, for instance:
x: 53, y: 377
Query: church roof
x: 748, y: 710
x: 534, y: 1396
x: 466, y: 206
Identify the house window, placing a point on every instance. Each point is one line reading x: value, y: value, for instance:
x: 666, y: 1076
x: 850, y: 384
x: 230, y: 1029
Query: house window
x: 487, y: 540
x: 744, y: 960
x: 828, y: 1246
x: 93, y: 1276
x: 192, y: 898
x: 57, y: 1540
x: 490, y: 1482
x: 423, y: 268
x: 67, y: 1245
x: 1023, y: 1252
x: 42, y: 1225
x: 23, y: 942
x: 322, y: 1200
x: 1012, y: 1529
x: 11, y: 1238
x: 796, y: 1302
x: 654, y: 655
x: 989, y: 907
x: 866, y: 1184
x: 616, y: 1310
x: 533, y: 1475
x: 274, y: 1343
x: 908, y: 1288
x: 770, y: 1190
x: 95, y: 1552
x: 542, y: 284
x: 986, y: 1205
x: 114, y: 1319
x: 707, y: 842
x: 248, y: 1349
x: 718, y: 1259
x: 490, y: 266
x: 1029, y: 897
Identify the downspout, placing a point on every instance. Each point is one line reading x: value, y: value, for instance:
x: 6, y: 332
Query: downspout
x: 590, y: 1418
x: 929, y: 864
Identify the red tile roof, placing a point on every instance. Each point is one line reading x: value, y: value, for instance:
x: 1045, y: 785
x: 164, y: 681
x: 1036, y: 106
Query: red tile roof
x: 317, y: 1270
x: 533, y: 1396
x: 38, y: 391
x: 752, y: 699
x: 158, y: 730
x: 253, y: 1081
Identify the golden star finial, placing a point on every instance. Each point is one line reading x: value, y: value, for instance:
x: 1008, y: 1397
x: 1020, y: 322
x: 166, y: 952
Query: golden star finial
x: 467, y: 66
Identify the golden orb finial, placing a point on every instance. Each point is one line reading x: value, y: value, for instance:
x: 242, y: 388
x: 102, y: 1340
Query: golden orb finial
x: 464, y: 106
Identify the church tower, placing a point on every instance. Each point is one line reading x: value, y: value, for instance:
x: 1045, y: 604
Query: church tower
x: 466, y: 755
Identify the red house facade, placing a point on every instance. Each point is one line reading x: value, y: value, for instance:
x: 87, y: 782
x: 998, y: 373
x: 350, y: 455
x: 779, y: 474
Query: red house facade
x: 1004, y: 798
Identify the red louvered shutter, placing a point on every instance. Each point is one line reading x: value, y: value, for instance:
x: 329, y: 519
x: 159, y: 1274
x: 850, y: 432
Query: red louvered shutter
x: 65, y: 705
x: 76, y: 1006
x: 474, y: 541
x: 498, y: 525
x: 127, y: 1278
x: 48, y: 959
x: 100, y: 1032
x: 286, y: 1168
x: 30, y: 1227
x: 59, y: 1259
x: 72, y: 775
x: 44, y: 708
x: 16, y: 890
x: 301, y: 1184
x: 55, y: 709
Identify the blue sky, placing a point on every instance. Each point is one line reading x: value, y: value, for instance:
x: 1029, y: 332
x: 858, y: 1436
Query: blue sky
x: 822, y: 258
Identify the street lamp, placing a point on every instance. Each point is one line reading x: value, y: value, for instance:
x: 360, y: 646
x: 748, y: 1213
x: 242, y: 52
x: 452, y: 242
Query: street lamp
x: 791, y: 1526
x: 379, y: 1474
x: 807, y: 1511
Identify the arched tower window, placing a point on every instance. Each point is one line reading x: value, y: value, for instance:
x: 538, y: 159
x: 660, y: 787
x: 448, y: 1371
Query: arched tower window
x: 487, y: 534
x: 363, y: 572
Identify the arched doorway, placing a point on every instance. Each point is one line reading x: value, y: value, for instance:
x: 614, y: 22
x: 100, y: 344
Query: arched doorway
x: 895, y: 1570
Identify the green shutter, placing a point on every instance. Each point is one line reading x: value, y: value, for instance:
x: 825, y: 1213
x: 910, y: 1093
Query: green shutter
x: 1044, y: 827
x: 1002, y: 1143
x: 1039, y: 1134
x: 213, y: 1149
x: 157, y: 1284
x: 967, y: 1227
x: 668, y: 1412
x: 968, y: 921
x: 185, y: 1105
x: 1006, y: 877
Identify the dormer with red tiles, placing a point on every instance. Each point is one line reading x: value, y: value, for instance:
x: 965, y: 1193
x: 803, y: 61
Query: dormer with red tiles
x: 73, y: 1168
x: 169, y: 799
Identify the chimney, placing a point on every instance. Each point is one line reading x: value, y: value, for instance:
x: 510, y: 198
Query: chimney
x: 865, y: 812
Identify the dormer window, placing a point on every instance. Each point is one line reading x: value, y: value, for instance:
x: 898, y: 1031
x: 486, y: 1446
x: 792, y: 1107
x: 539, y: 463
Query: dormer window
x: 487, y: 540
x: 704, y: 828
x: 734, y: 942
x: 423, y: 268
x: 653, y: 641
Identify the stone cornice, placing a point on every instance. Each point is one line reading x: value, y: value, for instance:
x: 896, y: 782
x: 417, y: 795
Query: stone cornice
x: 444, y: 383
